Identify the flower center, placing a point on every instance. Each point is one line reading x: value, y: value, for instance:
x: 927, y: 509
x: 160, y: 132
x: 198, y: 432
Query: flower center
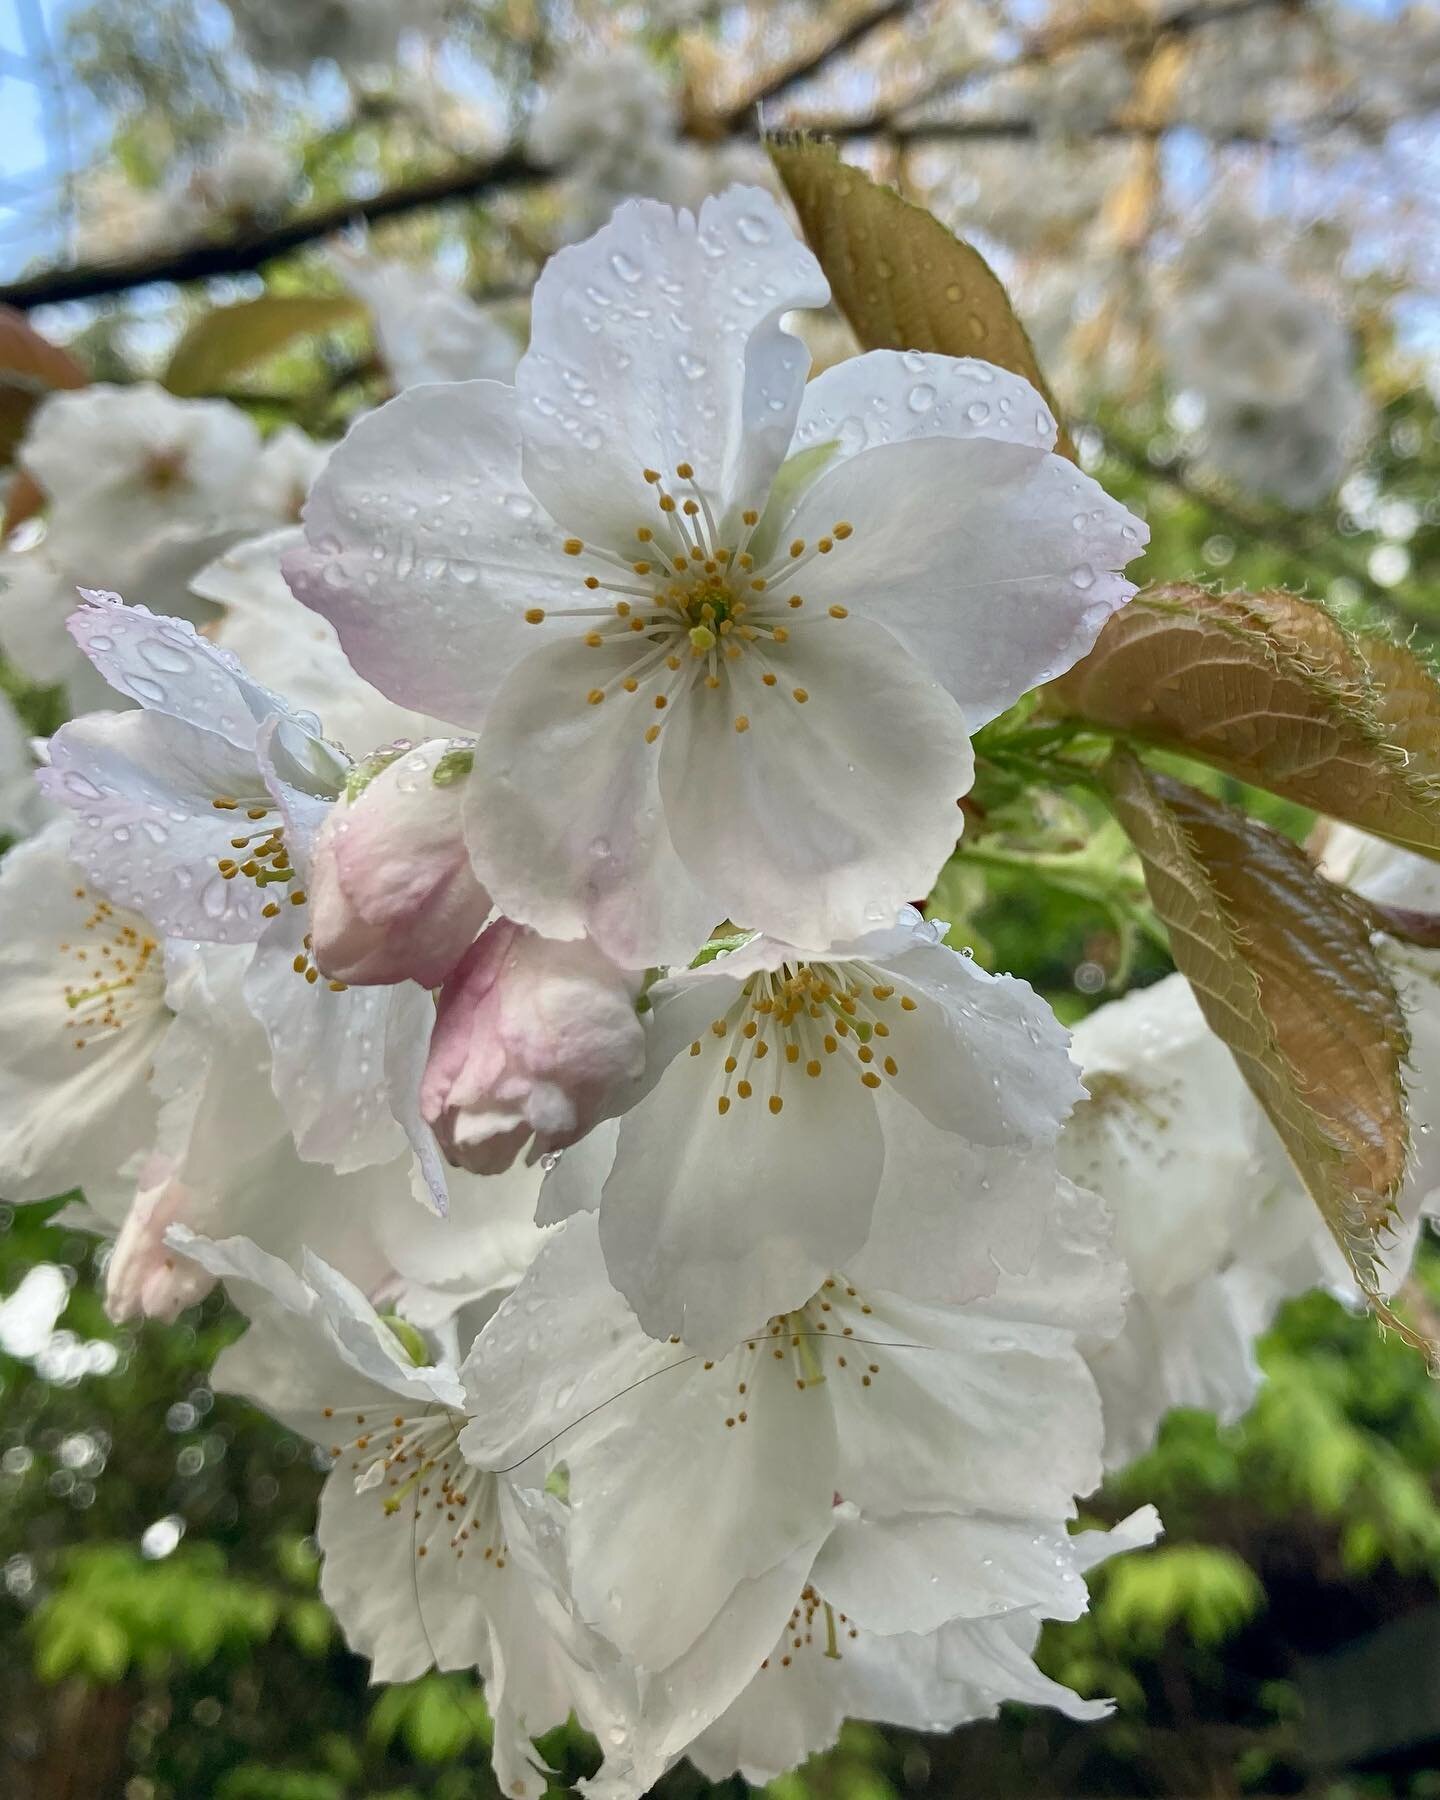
x: 117, y: 973
x: 806, y: 1017
x: 415, y: 1469
x: 813, y: 1624
x: 697, y: 609
x: 829, y: 1335
x: 264, y: 858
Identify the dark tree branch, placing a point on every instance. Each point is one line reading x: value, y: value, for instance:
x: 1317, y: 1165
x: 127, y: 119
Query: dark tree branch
x: 251, y: 249
x: 738, y: 117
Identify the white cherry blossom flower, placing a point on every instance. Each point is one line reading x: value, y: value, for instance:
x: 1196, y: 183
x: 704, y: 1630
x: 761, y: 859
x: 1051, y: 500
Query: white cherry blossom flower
x: 426, y: 330
x: 245, y: 176
x: 125, y: 462
x: 1213, y: 1223
x: 916, y: 1460
x: 754, y: 680
x: 1283, y: 410
x: 611, y: 122
x: 427, y: 1561
x: 890, y: 1109
x: 84, y: 1014
x: 828, y: 1666
x: 199, y: 810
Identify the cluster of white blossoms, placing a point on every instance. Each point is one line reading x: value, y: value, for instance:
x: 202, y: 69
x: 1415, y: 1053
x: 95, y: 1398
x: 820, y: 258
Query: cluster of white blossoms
x: 611, y: 122
x: 696, y: 1277
x: 1283, y: 409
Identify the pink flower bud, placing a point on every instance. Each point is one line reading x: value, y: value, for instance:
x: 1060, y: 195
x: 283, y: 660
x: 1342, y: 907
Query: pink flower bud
x: 145, y: 1278
x: 532, y: 1037
x: 392, y: 894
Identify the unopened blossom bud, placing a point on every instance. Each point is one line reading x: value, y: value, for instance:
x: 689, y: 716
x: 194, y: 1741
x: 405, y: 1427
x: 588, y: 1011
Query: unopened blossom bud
x: 392, y: 893
x: 532, y: 1038
x: 145, y: 1278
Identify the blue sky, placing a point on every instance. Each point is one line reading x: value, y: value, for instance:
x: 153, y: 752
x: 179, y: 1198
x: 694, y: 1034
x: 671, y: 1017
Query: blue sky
x: 35, y: 123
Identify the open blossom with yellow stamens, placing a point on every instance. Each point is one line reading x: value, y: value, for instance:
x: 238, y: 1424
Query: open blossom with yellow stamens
x: 199, y: 810
x: 889, y: 1108
x: 428, y: 1561
x: 869, y: 1500
x: 85, y: 1011
x: 724, y: 637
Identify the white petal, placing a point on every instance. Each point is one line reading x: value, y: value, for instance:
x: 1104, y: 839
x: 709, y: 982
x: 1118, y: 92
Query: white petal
x: 424, y: 549
x: 822, y: 818
x: 888, y: 396
x: 166, y: 666
x: 563, y: 816
x: 330, y: 1049
x: 712, y: 1223
x: 658, y: 342
x: 684, y: 1698
x: 993, y: 563
x: 285, y: 1362
x: 968, y: 1410
x: 1196, y: 1347
x: 949, y: 1217
x: 74, y: 1105
x: 574, y: 1180
x: 980, y: 1054
x: 142, y: 789
x: 404, y: 1611
x: 271, y: 633
x: 918, y: 1571
x: 543, y: 1395
x: 762, y: 1489
x: 988, y: 1661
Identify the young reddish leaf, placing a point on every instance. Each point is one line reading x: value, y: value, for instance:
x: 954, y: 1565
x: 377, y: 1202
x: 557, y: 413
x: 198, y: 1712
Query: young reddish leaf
x: 30, y: 368
x: 1272, y: 689
x: 1283, y: 968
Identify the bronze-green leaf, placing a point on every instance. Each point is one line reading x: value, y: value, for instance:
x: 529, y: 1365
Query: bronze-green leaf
x: 1283, y: 969
x: 902, y: 280
x: 1270, y: 688
x: 1407, y: 700
x: 226, y: 341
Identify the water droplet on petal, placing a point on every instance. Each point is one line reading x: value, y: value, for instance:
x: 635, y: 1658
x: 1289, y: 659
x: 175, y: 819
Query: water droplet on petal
x: 921, y: 398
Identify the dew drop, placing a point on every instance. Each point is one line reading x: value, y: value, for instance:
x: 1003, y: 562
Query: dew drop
x: 753, y: 229
x: 691, y: 367
x: 921, y: 398
x: 1083, y: 576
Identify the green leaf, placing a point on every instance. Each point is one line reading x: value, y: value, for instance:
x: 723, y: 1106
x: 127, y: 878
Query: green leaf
x: 902, y: 280
x: 226, y: 341
x: 1207, y: 1592
x: 1283, y: 969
